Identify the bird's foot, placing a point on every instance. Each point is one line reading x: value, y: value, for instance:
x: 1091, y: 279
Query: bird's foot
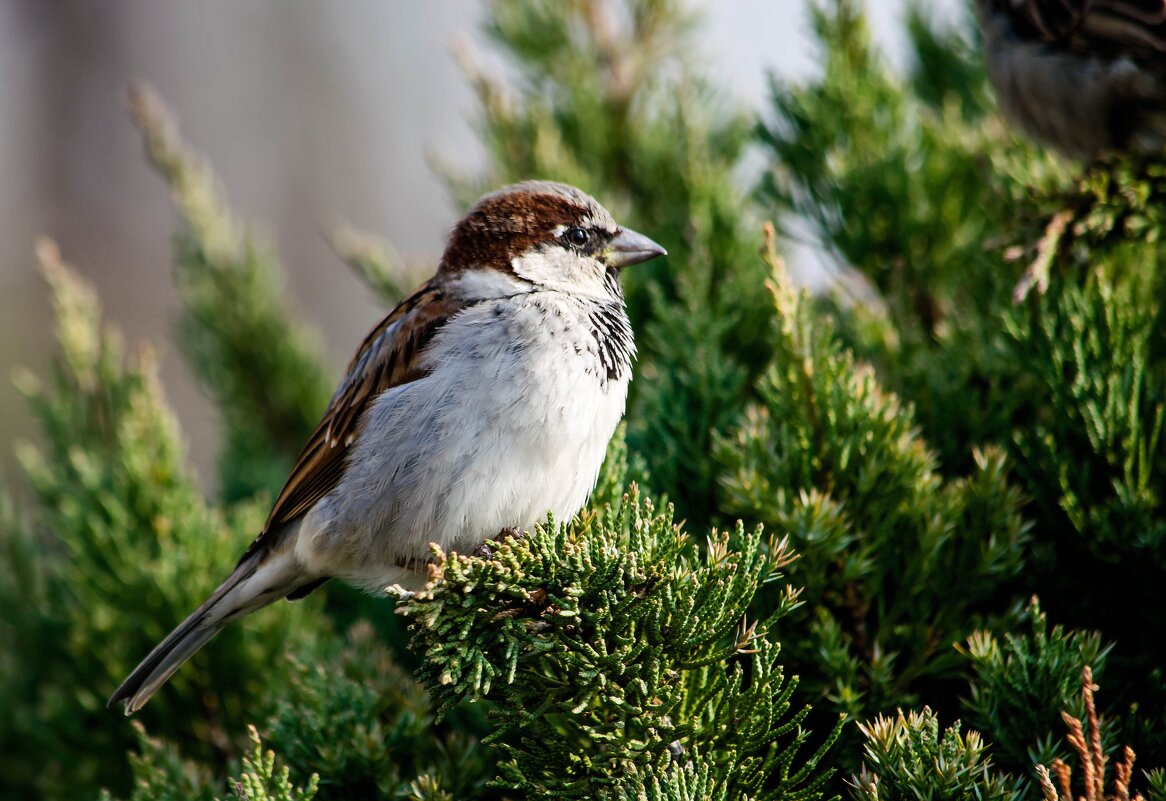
x: 398, y: 592
x: 416, y: 564
x: 484, y: 551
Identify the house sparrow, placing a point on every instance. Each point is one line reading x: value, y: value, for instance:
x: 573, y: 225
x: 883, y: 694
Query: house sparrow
x: 485, y: 400
x: 1082, y: 76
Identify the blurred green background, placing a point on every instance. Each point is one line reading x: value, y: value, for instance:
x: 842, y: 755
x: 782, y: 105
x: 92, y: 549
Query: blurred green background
x: 312, y: 112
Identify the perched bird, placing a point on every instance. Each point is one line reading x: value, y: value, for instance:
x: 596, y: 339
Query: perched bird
x: 482, y: 402
x: 1081, y: 76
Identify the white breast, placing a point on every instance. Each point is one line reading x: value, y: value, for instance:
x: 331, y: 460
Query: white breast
x: 511, y: 423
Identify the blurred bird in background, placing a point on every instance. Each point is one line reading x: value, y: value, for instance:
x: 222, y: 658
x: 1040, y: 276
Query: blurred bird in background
x: 1080, y: 76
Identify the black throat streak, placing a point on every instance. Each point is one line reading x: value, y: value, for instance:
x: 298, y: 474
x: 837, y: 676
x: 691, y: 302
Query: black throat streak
x: 609, y: 324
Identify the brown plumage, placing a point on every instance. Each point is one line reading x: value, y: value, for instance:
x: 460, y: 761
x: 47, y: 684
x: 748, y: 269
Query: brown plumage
x: 504, y: 225
x: 380, y: 363
x: 1082, y: 76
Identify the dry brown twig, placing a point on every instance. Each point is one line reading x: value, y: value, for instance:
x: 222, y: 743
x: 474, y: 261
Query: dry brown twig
x: 1091, y: 756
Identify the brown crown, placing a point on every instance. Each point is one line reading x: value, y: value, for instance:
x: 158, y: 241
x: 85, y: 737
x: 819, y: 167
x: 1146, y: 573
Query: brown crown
x: 515, y: 219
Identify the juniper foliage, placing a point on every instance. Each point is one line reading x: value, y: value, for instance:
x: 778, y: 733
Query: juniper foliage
x: 611, y: 648
x: 262, y: 368
x: 1023, y: 681
x: 905, y: 758
x: 890, y: 567
x: 1017, y: 312
x: 129, y: 532
x: 355, y: 718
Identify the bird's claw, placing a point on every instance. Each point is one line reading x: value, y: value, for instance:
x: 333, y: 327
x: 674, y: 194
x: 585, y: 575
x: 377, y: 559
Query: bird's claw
x: 484, y: 551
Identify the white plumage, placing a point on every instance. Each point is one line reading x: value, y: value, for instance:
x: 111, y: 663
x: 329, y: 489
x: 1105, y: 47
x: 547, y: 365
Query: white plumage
x: 512, y: 423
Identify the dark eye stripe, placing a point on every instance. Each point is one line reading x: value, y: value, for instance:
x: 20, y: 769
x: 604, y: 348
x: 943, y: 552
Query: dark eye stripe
x: 588, y: 241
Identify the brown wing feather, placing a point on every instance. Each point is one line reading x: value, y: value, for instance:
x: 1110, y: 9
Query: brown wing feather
x: 1099, y: 27
x: 388, y: 357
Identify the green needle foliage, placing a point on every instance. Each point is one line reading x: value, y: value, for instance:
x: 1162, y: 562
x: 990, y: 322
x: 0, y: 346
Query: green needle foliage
x: 1020, y: 678
x: 896, y: 559
x: 613, y: 647
x: 161, y: 773
x: 907, y: 188
x: 905, y: 758
x: 262, y: 367
x: 365, y: 727
x: 130, y: 533
x: 970, y: 418
x: 1016, y: 316
x: 260, y: 781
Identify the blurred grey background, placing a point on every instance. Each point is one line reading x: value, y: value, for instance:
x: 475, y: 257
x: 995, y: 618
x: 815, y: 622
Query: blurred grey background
x: 310, y: 111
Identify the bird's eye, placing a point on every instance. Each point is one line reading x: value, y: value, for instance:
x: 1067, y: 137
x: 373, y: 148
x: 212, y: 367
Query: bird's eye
x: 577, y: 236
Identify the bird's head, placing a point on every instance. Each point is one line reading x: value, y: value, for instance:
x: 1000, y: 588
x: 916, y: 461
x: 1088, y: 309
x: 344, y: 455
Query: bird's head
x: 542, y: 235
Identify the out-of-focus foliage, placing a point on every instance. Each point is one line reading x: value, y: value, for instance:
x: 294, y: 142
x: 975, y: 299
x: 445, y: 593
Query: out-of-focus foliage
x: 130, y: 535
x: 891, y: 569
x: 161, y: 773
x: 259, y: 364
x: 362, y: 724
x: 973, y: 418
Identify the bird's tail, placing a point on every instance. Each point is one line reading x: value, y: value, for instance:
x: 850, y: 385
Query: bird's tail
x: 260, y: 579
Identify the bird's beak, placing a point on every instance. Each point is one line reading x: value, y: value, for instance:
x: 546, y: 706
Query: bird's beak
x: 629, y: 248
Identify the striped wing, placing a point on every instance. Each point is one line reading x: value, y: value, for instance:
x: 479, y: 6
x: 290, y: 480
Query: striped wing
x: 388, y: 357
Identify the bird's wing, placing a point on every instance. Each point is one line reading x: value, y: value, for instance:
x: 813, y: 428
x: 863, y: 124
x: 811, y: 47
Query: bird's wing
x: 1099, y: 27
x: 388, y: 357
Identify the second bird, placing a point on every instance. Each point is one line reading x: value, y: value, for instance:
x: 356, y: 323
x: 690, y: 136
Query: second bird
x: 1082, y: 76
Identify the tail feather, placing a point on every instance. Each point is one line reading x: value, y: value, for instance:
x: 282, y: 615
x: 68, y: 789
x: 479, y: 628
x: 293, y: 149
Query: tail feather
x: 259, y: 580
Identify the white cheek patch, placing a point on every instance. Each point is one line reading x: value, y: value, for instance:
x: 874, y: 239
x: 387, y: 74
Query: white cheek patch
x: 486, y: 284
x: 536, y: 267
x: 559, y: 269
